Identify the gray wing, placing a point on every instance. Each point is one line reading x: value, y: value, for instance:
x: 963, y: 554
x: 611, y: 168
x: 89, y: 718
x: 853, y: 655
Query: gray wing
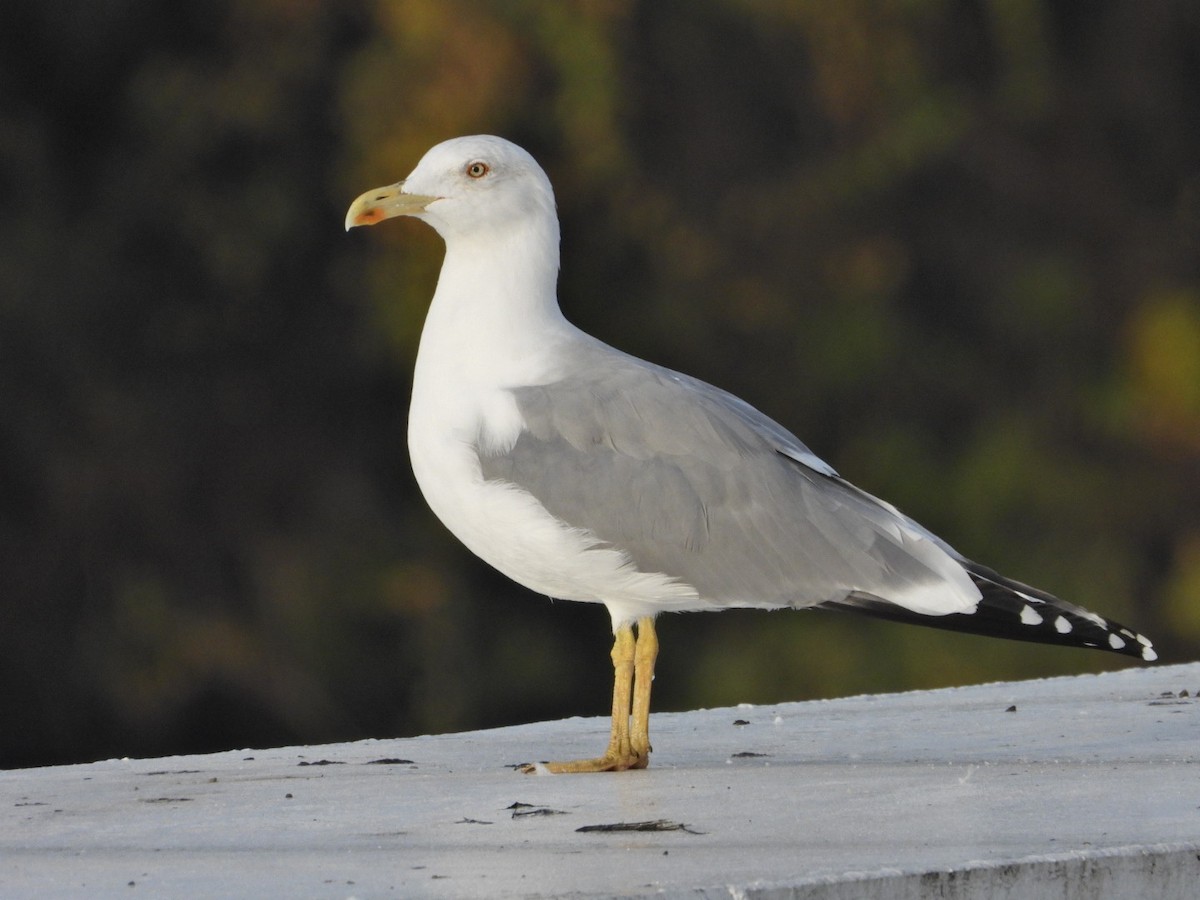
x: 692, y: 482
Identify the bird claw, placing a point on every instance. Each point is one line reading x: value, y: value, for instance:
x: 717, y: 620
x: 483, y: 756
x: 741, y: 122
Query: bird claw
x: 606, y: 763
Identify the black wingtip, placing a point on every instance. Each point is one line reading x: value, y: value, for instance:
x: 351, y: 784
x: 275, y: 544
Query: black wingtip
x: 1016, y: 611
x: 1038, y: 616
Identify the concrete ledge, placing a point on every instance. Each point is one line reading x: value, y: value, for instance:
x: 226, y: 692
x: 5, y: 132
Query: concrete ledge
x: 1064, y: 788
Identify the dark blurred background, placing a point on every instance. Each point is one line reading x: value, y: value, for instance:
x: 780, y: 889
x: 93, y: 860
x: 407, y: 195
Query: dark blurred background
x: 954, y: 245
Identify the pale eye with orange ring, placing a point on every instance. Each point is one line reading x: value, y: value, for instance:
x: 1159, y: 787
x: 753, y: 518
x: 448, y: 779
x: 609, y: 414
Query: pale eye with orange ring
x: 478, y: 169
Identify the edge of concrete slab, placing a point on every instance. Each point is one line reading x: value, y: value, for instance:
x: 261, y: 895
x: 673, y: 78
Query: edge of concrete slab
x: 1167, y: 872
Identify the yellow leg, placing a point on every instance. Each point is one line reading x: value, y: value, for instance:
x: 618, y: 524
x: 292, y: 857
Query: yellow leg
x: 633, y: 671
x: 643, y: 678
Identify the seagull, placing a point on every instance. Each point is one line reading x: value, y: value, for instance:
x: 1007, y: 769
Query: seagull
x: 587, y: 474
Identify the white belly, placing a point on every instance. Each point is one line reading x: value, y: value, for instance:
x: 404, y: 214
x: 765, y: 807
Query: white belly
x: 508, y: 528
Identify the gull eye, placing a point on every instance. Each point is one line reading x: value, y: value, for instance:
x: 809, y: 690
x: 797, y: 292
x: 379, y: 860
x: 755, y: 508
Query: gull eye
x: 478, y: 169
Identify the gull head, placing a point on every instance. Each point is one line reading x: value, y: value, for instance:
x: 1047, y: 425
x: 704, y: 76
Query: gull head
x: 464, y: 185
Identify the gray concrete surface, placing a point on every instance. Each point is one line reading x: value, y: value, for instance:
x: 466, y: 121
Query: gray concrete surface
x: 1064, y: 788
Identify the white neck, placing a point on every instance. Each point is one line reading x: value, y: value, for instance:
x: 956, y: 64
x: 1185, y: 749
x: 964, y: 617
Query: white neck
x: 501, y: 289
x: 494, y: 321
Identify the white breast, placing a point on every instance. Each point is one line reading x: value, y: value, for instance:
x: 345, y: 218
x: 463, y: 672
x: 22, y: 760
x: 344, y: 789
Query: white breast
x: 459, y: 406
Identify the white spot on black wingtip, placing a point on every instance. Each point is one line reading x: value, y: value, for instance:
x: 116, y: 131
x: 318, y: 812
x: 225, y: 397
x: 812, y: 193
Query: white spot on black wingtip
x: 1148, y: 652
x: 1063, y: 625
x: 1030, y: 616
x: 1116, y: 641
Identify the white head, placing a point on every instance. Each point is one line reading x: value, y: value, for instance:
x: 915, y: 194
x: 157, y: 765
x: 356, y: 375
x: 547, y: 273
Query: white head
x: 465, y: 185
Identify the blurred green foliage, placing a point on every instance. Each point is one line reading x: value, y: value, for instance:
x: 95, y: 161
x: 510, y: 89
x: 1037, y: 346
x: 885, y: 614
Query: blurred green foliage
x: 954, y: 244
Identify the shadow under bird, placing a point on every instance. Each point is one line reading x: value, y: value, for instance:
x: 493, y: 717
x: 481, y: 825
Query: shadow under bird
x: 587, y: 474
